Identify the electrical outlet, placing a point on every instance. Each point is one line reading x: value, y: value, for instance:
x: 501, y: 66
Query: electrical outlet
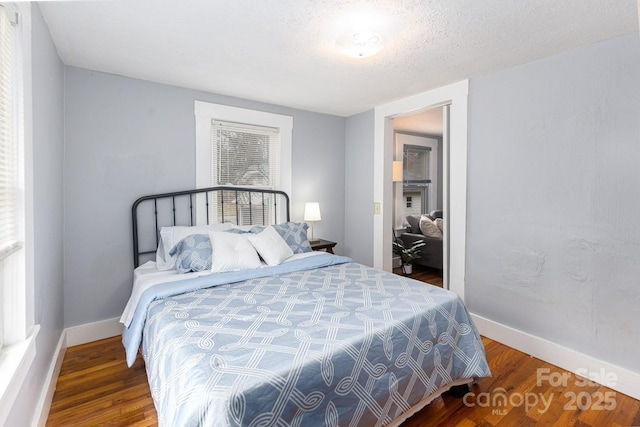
x: 376, y: 208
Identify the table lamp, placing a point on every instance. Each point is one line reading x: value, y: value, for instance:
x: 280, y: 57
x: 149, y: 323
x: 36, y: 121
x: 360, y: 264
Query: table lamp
x: 311, y: 214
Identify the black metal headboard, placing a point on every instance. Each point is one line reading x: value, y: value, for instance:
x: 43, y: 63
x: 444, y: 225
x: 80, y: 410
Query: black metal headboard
x: 241, y: 206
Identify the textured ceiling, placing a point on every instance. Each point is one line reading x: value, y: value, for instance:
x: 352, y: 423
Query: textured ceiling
x: 283, y: 51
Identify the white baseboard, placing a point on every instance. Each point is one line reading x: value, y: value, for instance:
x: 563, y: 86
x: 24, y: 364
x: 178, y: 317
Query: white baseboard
x: 74, y: 335
x: 46, y: 395
x: 95, y: 331
x: 626, y: 381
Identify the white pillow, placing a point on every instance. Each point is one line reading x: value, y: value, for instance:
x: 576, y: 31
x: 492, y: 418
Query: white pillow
x: 169, y: 236
x: 246, y: 228
x: 232, y: 252
x: 439, y: 224
x: 429, y: 228
x: 271, y: 246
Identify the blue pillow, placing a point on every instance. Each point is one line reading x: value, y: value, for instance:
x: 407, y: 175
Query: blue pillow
x: 294, y: 233
x: 194, y: 253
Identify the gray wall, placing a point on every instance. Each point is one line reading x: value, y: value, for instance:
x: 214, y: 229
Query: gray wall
x: 126, y: 138
x: 358, y: 186
x: 319, y: 172
x: 48, y: 148
x: 553, y: 244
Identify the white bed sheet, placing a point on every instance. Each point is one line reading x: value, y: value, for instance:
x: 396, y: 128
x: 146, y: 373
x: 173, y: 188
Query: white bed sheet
x: 148, y: 275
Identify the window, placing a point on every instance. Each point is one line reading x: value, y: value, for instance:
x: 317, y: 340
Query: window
x: 243, y: 148
x: 419, y: 173
x: 417, y: 179
x: 245, y: 155
x: 416, y: 162
x: 16, y: 288
x: 11, y: 171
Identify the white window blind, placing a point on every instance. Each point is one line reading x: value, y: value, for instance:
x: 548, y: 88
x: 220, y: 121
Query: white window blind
x: 231, y: 151
x: 10, y: 146
x: 245, y: 155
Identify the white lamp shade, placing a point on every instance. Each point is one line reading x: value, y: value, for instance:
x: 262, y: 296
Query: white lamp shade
x: 312, y: 211
x: 397, y: 171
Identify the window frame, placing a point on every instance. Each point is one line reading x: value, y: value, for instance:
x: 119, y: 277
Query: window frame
x: 428, y: 187
x: 17, y: 310
x: 206, y: 112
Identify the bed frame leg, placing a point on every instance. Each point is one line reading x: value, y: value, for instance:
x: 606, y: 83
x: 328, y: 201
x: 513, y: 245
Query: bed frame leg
x: 458, y: 391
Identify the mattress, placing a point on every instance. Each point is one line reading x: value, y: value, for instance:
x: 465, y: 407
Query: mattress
x: 321, y: 341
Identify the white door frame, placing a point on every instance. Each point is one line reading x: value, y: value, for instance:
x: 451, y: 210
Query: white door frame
x: 454, y: 174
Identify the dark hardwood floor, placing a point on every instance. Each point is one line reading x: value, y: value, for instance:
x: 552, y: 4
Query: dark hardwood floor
x: 424, y: 274
x: 95, y: 388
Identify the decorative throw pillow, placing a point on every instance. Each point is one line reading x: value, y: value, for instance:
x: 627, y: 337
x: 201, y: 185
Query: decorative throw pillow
x: 170, y: 236
x: 294, y: 233
x: 440, y: 225
x: 271, y: 246
x: 429, y: 228
x: 232, y: 252
x: 193, y: 253
x: 414, y: 223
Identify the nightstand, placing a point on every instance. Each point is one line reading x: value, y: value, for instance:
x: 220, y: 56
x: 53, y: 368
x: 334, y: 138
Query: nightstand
x: 326, y: 245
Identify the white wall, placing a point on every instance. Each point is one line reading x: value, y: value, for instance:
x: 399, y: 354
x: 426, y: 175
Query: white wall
x: 126, y: 138
x: 554, y: 177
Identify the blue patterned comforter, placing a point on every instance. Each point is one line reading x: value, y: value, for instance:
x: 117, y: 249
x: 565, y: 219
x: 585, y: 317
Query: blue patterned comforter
x: 341, y: 345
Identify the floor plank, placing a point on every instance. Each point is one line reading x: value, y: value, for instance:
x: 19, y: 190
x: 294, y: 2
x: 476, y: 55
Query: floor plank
x: 429, y: 275
x: 99, y: 392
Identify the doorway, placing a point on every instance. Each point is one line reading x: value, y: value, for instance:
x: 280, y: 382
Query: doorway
x: 418, y: 144
x: 454, y: 98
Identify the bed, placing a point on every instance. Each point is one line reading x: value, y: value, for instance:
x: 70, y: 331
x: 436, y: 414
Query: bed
x: 309, y: 338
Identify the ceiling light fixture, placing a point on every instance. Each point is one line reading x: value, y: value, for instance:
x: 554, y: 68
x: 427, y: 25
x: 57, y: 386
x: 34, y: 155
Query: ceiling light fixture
x: 360, y: 44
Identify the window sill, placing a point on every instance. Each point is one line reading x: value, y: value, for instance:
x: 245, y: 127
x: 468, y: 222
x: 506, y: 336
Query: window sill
x: 15, y: 361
